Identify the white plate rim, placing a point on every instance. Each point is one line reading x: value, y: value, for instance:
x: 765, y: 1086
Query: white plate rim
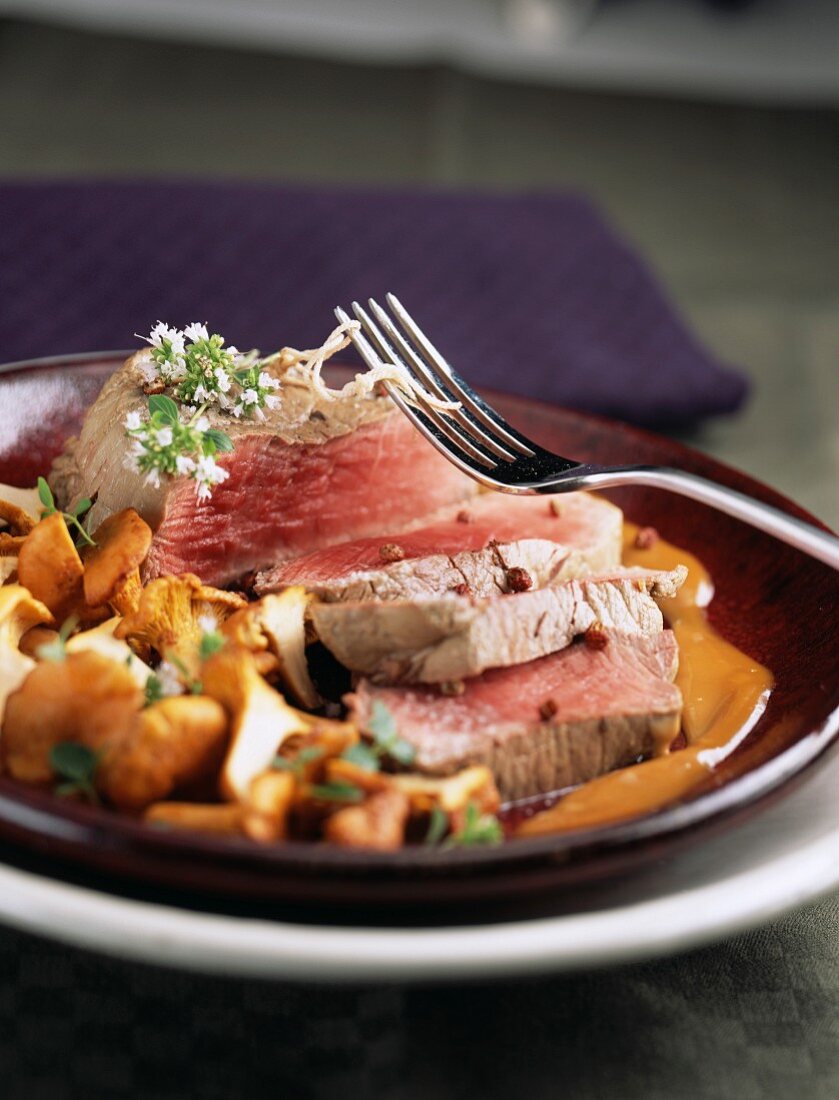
x: 153, y: 933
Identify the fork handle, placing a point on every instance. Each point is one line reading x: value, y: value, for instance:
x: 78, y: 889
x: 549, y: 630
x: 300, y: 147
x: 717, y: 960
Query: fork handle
x: 803, y: 536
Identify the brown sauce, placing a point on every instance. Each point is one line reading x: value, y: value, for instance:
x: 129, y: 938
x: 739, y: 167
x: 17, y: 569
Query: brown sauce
x: 724, y: 693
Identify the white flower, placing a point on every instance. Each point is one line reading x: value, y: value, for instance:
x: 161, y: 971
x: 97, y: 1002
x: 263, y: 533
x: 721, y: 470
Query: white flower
x: 164, y: 436
x: 267, y: 382
x: 223, y: 379
x: 201, y: 395
x: 178, y: 347
x: 138, y: 448
x: 153, y: 478
x: 184, y: 465
x: 237, y: 409
x: 207, y: 623
x: 169, y: 679
x: 131, y: 463
x: 208, y: 474
x: 250, y: 397
x: 271, y: 402
x: 133, y: 421
x: 202, y: 424
x: 158, y: 334
x: 196, y: 331
x: 206, y: 469
x: 188, y: 411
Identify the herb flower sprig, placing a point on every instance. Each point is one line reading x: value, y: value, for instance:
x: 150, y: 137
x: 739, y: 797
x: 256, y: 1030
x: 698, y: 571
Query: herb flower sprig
x: 202, y: 371
x: 164, y: 444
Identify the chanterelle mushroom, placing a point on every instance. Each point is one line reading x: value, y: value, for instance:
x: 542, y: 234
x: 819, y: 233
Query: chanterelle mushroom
x: 27, y: 500
x: 174, y: 613
x: 169, y: 745
x: 260, y: 718
x: 101, y: 639
x: 451, y: 793
x: 19, y: 612
x: 85, y: 698
x: 50, y: 567
x: 112, y: 566
x: 17, y: 523
x: 378, y: 824
x: 276, y: 624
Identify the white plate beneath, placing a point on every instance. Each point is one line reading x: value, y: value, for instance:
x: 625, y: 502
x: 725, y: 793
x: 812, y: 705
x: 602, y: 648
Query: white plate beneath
x: 778, y: 859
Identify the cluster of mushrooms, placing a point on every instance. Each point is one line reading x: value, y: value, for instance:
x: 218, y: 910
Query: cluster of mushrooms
x: 239, y: 746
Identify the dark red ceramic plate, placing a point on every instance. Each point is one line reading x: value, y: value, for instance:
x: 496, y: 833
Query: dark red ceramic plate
x: 771, y: 601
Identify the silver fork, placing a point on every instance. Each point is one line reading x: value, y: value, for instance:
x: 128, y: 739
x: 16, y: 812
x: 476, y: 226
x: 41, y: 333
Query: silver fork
x: 480, y: 442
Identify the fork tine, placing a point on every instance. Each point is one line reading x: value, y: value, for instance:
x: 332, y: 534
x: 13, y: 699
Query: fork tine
x: 409, y: 359
x: 459, y: 388
x: 442, y: 434
x: 422, y: 372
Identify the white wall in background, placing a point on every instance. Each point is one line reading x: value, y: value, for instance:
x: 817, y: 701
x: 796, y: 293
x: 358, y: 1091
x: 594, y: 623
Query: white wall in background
x: 778, y: 50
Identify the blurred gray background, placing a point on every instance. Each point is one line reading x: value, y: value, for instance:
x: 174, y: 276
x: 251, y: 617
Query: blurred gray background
x: 708, y: 132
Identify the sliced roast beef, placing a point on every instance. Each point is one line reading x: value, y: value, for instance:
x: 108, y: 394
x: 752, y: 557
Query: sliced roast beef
x: 497, y: 543
x: 312, y: 473
x: 546, y: 725
x: 452, y: 637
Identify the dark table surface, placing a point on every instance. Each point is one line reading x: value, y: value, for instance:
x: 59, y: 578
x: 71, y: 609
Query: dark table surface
x: 753, y: 1018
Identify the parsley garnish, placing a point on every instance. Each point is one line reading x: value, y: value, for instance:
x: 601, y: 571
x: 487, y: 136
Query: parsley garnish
x: 211, y: 642
x: 154, y: 690
x: 56, y: 650
x: 477, y: 829
x: 76, y: 765
x: 295, y: 764
x: 338, y: 791
x: 363, y: 756
x: 71, y: 518
x: 437, y: 826
x: 386, y: 742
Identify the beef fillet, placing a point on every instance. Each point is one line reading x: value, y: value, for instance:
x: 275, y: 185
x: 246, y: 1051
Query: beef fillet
x: 496, y: 543
x: 312, y: 473
x: 546, y: 725
x: 453, y: 637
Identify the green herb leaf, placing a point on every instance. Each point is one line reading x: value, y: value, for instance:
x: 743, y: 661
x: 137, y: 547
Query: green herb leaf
x: 76, y: 765
x: 382, y: 728
x: 211, y: 642
x: 437, y: 826
x: 286, y: 764
x: 477, y: 829
x: 403, y: 752
x: 164, y: 407
x: 381, y: 724
x: 221, y: 441
x: 337, y: 792
x: 45, y: 494
x: 295, y: 763
x: 73, y: 761
x: 363, y: 756
x: 72, y: 521
x: 154, y: 690
x: 51, y: 651
x: 81, y: 508
x: 56, y: 650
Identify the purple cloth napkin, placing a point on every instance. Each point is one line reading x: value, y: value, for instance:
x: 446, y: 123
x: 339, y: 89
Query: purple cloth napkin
x: 532, y: 294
